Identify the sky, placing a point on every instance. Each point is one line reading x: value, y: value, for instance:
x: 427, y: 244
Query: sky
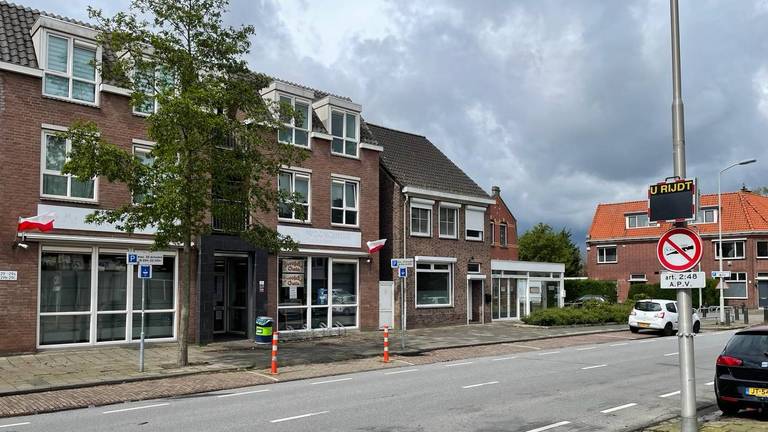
x: 563, y: 104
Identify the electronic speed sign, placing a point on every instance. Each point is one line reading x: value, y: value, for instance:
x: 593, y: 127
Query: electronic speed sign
x: 672, y: 201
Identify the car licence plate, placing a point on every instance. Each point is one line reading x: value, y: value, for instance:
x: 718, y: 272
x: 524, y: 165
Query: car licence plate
x: 759, y: 392
x: 643, y: 324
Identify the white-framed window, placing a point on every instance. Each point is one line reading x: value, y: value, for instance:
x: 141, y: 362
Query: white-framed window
x: 421, y: 217
x: 473, y: 267
x: 92, y: 296
x: 434, y: 285
x: 291, y: 182
x: 474, y: 223
x: 732, y: 249
x: 55, y: 184
x: 493, y: 233
x: 706, y: 215
x: 148, y: 83
x: 762, y: 249
x: 296, y: 129
x: 639, y: 220
x: 345, y: 130
x: 606, y: 255
x: 344, y: 202
x: 637, y: 277
x: 317, y: 293
x: 737, y: 286
x: 448, y: 221
x: 502, y: 234
x: 70, y: 69
x: 144, y: 154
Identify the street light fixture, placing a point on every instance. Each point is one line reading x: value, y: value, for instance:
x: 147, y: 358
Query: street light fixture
x: 720, y: 232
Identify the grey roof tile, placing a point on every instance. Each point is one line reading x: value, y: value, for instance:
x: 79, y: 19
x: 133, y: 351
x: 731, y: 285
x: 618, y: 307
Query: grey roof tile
x: 414, y: 161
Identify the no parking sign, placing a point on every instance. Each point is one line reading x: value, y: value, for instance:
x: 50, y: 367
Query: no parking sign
x: 679, y: 249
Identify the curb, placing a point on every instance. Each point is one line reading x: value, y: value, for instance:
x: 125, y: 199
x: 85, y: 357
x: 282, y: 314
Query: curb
x: 702, y: 411
x: 407, y: 352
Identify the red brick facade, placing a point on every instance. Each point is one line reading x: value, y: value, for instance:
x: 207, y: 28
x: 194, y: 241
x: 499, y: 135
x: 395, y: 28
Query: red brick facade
x: 501, y: 216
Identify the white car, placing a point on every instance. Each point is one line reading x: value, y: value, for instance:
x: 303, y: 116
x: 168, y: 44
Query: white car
x: 658, y: 315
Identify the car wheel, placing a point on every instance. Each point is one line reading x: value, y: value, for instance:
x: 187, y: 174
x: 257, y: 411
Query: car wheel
x: 668, y: 330
x: 696, y: 327
x: 728, y: 408
x: 634, y: 329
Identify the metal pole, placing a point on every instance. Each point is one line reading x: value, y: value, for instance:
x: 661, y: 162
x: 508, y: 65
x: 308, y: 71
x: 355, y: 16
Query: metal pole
x: 141, y: 342
x: 720, y: 246
x: 685, y: 334
x: 402, y: 313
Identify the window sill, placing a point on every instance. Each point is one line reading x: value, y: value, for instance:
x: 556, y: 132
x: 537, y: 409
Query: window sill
x: 345, y: 155
x: 421, y: 235
x: 69, y: 200
x: 141, y: 114
x: 473, y: 239
x: 338, y: 225
x: 306, y: 147
x: 434, y: 306
x: 761, y: 257
x: 448, y: 237
x: 74, y: 101
x: 730, y: 259
x: 607, y: 262
x: 295, y: 221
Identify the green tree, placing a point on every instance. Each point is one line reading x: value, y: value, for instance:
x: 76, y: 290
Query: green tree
x: 543, y: 244
x: 762, y: 190
x: 216, y: 152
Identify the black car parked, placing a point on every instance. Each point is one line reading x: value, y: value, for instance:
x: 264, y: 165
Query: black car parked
x: 741, y: 374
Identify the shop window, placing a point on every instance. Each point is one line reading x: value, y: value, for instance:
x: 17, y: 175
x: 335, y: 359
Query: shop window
x: 344, y: 205
x: 606, y: 254
x: 736, y: 286
x: 112, y: 292
x: 731, y: 249
x: 294, y: 183
x: 296, y: 129
x: 56, y: 184
x: 65, y: 297
x: 762, y: 249
x: 159, y: 301
x: 434, y: 285
x: 474, y: 223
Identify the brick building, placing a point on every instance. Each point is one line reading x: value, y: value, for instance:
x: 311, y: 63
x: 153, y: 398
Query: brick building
x: 621, y: 244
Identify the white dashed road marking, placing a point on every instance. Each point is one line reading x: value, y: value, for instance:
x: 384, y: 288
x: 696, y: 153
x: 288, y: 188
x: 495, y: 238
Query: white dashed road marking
x: 549, y: 353
x: 401, y: 372
x: 585, y: 349
x: 242, y: 393
x: 136, y: 408
x: 458, y: 364
x: 14, y: 424
x: 620, y: 407
x: 619, y: 344
x: 480, y: 385
x: 330, y: 381
x: 299, y: 416
x: 594, y: 367
x: 503, y: 358
x: 671, y: 354
x: 548, y: 427
x: 666, y: 395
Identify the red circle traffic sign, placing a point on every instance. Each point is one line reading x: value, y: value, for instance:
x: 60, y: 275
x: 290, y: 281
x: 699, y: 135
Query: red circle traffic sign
x: 679, y: 249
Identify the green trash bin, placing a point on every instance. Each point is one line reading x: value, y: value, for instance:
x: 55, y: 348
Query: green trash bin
x: 264, y: 330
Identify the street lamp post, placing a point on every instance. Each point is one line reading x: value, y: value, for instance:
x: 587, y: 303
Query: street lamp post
x: 720, y: 231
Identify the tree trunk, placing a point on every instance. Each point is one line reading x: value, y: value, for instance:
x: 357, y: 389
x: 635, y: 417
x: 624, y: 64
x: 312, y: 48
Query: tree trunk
x: 184, y: 289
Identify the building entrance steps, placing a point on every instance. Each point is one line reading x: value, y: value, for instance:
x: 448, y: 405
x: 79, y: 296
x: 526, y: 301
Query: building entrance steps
x: 73, y: 368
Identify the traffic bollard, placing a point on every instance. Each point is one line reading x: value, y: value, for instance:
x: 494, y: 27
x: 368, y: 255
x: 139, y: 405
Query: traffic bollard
x: 765, y: 315
x: 728, y: 317
x: 735, y: 314
x: 386, y: 343
x: 273, y: 369
x: 746, y: 315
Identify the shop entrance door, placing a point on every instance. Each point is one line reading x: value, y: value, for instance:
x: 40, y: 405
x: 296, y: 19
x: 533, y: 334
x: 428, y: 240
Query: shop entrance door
x: 762, y: 293
x: 230, y: 297
x: 505, y: 299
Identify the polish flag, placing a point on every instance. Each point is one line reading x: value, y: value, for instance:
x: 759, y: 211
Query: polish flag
x: 375, y: 245
x: 39, y: 222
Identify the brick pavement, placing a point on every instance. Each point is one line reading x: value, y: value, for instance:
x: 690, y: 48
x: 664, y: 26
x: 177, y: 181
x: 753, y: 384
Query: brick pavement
x: 744, y: 422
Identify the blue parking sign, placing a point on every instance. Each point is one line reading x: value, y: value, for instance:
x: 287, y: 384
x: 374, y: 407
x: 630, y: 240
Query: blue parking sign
x: 403, y: 272
x: 132, y: 258
x: 145, y: 271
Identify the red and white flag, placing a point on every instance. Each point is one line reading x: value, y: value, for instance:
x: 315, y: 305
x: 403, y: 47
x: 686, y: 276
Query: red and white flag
x: 375, y: 245
x: 40, y: 222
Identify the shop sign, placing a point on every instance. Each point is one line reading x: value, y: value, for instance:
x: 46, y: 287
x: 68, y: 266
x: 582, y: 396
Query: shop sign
x: 293, y: 265
x: 8, y: 275
x: 293, y: 280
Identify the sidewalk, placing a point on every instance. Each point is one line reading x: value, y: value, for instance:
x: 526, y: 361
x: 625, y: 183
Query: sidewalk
x: 61, y: 369
x: 749, y: 421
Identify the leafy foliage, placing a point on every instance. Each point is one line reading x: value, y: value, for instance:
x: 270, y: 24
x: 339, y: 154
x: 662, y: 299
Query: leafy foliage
x: 216, y: 151
x: 577, y: 288
x: 591, y: 313
x: 542, y: 244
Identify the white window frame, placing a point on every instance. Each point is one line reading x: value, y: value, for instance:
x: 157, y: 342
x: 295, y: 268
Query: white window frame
x: 703, y: 211
x: 743, y: 242
x: 292, y: 124
x: 94, y: 312
x: 153, y: 95
x: 628, y: 225
x: 53, y: 130
x: 467, y: 210
x: 140, y: 148
x: 757, y: 249
x: 455, y: 209
x: 637, y: 277
x: 746, y: 285
x: 601, y: 256
x: 293, y: 174
x: 344, y: 131
x: 72, y: 42
x: 451, y: 266
x: 344, y: 208
x: 422, y: 205
x: 503, y: 240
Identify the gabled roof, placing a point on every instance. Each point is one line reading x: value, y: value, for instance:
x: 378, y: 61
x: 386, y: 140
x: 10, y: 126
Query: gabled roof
x: 415, y: 162
x: 742, y: 212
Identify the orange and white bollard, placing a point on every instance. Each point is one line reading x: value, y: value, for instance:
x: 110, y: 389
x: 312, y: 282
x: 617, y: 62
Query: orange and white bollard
x: 386, y: 343
x: 273, y: 370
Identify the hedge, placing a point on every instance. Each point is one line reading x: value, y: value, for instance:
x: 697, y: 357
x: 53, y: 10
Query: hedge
x: 591, y: 313
x: 577, y: 288
x: 654, y: 291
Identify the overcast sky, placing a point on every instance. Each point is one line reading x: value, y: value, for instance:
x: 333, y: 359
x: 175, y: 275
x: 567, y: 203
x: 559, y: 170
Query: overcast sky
x: 563, y: 104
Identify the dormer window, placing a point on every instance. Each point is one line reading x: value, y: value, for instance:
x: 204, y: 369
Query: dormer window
x: 70, y: 69
x: 344, y: 129
x: 639, y: 220
x: 707, y: 215
x: 296, y: 130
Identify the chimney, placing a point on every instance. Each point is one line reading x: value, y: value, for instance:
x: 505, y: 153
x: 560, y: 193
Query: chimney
x: 495, y: 191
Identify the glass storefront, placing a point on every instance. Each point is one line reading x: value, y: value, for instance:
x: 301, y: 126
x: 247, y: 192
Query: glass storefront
x: 317, y: 292
x: 517, y: 293
x: 83, y: 303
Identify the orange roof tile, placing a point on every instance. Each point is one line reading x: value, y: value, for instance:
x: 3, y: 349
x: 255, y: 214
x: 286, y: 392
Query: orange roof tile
x: 742, y: 212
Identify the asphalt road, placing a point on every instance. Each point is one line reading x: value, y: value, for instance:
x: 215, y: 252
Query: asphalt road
x: 611, y: 386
